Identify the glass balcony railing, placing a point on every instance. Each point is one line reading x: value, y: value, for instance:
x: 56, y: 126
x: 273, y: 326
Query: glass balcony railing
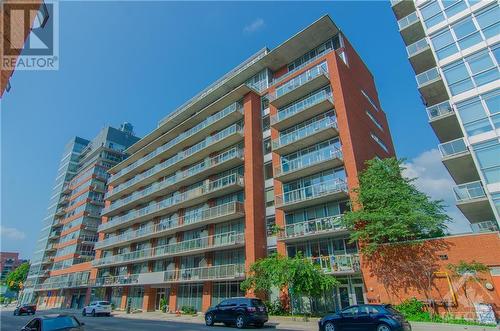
x: 226, y: 271
x: 312, y: 227
x: 307, y: 160
x: 408, y: 20
x: 235, y: 107
x: 469, y: 191
x: 439, y: 110
x: 62, y: 284
x: 485, y: 226
x: 116, y: 280
x: 177, y: 198
x: 308, y: 130
x: 296, y: 82
x: 417, y: 47
x: 337, y: 263
x: 179, y: 176
x: 214, y: 241
x: 311, y: 192
x: 395, y: 2
x: 428, y: 77
x: 452, y: 148
x: 230, y: 130
x: 313, y: 99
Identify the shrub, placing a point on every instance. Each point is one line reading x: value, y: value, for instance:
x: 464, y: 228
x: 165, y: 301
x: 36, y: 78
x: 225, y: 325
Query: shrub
x: 188, y: 310
x: 275, y: 308
x: 413, y: 310
x: 163, y: 304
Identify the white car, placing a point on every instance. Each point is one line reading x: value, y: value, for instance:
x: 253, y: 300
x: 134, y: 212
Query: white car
x: 97, y: 308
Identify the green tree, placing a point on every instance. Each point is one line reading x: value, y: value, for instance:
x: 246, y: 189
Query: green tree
x: 389, y: 208
x: 16, y: 278
x: 299, y: 275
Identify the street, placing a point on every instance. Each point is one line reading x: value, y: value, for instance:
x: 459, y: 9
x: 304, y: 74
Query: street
x: 155, y: 321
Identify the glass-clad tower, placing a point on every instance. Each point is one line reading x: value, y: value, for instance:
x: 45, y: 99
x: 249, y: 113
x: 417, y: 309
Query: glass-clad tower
x: 453, y: 46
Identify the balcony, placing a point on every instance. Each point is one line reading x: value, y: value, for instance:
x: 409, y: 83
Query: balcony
x: 411, y: 28
x: 472, y: 201
x: 62, y: 284
x: 213, y: 215
x: 420, y: 56
x: 485, y: 226
x: 54, y: 235
x: 186, y: 247
x: 402, y: 8
x: 432, y: 87
x: 315, y: 228
x: 225, y: 138
x: 316, y: 103
x: 214, y: 122
x: 219, y: 272
x: 308, y: 135
x: 308, y: 164
x: 444, y: 122
x: 210, y: 166
x: 458, y: 160
x: 299, y: 86
x: 312, y: 195
x: 210, y: 189
x: 338, y: 264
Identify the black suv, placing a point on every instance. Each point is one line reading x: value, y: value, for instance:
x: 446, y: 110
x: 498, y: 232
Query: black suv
x: 238, y: 311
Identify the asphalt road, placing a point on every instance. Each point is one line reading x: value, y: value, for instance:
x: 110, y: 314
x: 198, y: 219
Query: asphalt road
x: 9, y: 322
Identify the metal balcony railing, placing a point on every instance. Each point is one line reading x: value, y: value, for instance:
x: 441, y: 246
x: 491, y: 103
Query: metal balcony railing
x: 417, y: 47
x: 428, y: 77
x: 296, y: 82
x: 313, y: 99
x: 308, y: 130
x: 237, y: 106
x: 177, y: 198
x: 230, y: 130
x: 175, y: 223
x: 332, y: 264
x: 214, y: 241
x: 307, y: 160
x: 439, y: 110
x: 452, y: 148
x: 311, y: 192
x: 227, y: 271
x: 469, y: 191
x: 312, y: 227
x: 408, y: 20
x: 179, y: 176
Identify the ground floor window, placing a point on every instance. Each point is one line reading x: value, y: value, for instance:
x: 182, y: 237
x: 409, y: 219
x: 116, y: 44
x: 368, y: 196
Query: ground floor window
x: 136, y: 296
x: 116, y: 296
x: 221, y: 291
x: 160, y: 294
x: 189, y: 295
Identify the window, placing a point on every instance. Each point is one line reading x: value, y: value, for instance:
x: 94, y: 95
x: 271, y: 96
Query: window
x: 379, y: 142
x: 480, y: 114
x: 267, y: 146
x: 374, y: 120
x: 266, y: 123
x: 369, y: 100
x: 270, y: 197
x: 489, y: 20
x: 432, y: 14
x: 270, y: 224
x: 268, y: 171
x: 487, y: 154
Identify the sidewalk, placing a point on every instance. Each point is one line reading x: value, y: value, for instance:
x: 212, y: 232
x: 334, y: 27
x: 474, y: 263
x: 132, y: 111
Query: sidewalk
x: 288, y: 323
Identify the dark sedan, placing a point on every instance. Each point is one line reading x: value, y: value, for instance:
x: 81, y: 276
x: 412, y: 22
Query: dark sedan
x: 59, y: 322
x: 238, y: 311
x: 25, y: 309
x: 365, y: 318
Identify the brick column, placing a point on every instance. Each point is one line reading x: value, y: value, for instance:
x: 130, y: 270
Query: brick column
x: 88, y: 293
x: 148, y: 302
x: 123, y: 303
x: 172, y: 299
x: 255, y: 212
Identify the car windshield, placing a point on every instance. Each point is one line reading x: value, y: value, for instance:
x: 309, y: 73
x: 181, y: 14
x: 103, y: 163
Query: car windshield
x: 103, y: 303
x: 52, y: 324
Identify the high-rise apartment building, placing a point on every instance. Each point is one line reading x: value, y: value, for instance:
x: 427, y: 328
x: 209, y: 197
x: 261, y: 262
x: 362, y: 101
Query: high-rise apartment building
x: 279, y: 140
x: 453, y: 46
x: 8, y: 262
x: 60, y: 265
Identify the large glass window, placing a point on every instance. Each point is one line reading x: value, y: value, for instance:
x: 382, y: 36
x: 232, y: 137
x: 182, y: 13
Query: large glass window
x: 487, y: 154
x: 475, y: 113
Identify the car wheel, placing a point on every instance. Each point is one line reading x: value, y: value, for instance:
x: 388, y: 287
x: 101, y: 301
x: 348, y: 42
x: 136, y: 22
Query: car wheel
x: 383, y: 327
x: 108, y: 314
x: 83, y: 312
x: 329, y: 326
x: 240, y: 322
x: 93, y: 312
x: 209, y: 319
x: 15, y: 313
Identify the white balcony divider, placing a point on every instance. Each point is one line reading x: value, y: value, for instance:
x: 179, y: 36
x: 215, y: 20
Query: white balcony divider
x: 311, y: 192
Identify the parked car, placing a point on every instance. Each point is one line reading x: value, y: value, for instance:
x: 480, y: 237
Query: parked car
x: 25, y: 309
x: 238, y: 311
x: 97, y: 308
x: 59, y: 322
x: 365, y: 318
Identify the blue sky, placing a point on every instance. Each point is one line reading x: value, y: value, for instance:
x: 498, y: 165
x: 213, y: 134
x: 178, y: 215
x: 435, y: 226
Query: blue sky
x: 136, y: 62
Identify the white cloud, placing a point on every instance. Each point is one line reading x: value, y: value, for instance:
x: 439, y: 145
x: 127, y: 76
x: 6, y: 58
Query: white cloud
x: 255, y: 26
x: 434, y: 179
x: 11, y: 233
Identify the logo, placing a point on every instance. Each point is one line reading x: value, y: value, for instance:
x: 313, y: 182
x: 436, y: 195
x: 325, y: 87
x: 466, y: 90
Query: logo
x: 31, y: 35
